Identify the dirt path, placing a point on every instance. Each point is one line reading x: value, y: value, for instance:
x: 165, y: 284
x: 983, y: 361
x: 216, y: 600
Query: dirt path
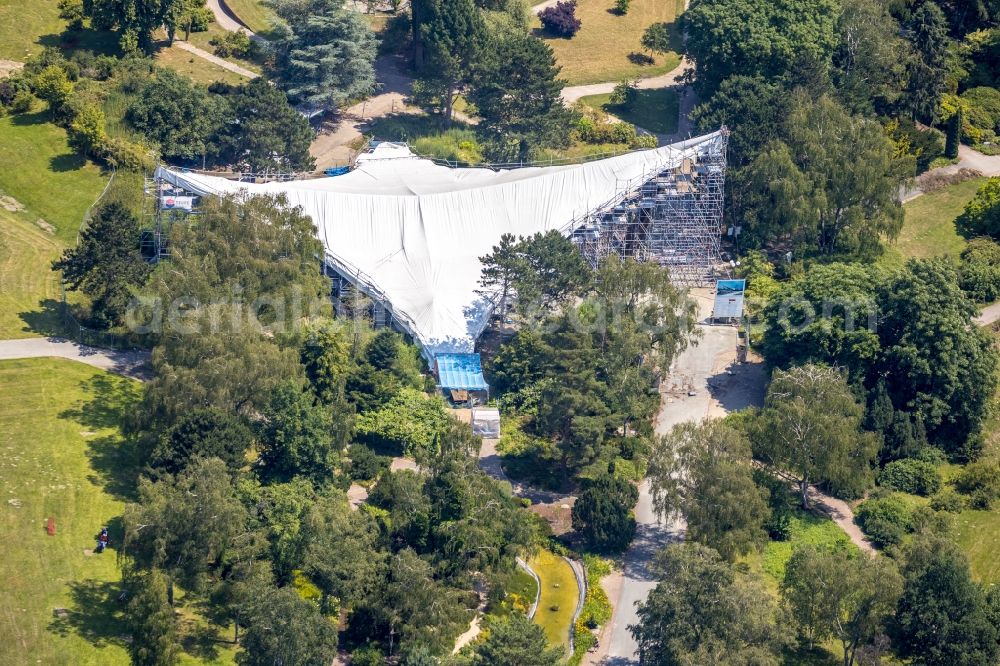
x: 987, y: 165
x: 133, y: 364
x: 571, y: 94
x: 214, y: 59
x: 989, y: 315
x: 840, y: 512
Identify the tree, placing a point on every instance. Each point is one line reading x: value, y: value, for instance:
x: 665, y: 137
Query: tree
x: 53, y: 86
x: 203, y: 433
x: 834, y: 594
x: 184, y: 524
x: 343, y: 551
x: 516, y: 641
x: 703, y: 474
x: 811, y: 426
x: 982, y: 215
x: 181, y: 117
x: 929, y: 69
x: 86, y: 132
x: 560, y: 19
x: 283, y: 628
x: 602, y: 513
x: 751, y: 37
x: 940, y: 367
x: 657, y: 38
x: 299, y: 437
x: 550, y: 271
x: 452, y: 36
x: 324, y: 53
x: 942, y: 617
x: 832, y: 193
x: 150, y: 620
x: 106, y: 264
x: 870, y: 59
x: 501, y: 269
x: 264, y: 132
x: 953, y: 137
x: 72, y: 12
x: 702, y: 612
x: 134, y: 20
x: 517, y: 95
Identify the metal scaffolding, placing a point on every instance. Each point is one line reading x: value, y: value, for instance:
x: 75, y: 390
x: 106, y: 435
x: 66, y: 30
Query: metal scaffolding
x: 672, y: 215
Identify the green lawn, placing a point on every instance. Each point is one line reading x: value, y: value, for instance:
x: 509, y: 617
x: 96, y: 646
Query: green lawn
x: 653, y: 110
x: 978, y: 534
x: 195, y: 67
x: 253, y: 14
x: 806, y: 529
x: 40, y: 170
x: 559, y: 596
x: 22, y: 23
x: 203, y: 41
x: 51, y: 188
x: 61, y: 460
x: 600, y: 50
x: 929, y: 226
x: 26, y: 251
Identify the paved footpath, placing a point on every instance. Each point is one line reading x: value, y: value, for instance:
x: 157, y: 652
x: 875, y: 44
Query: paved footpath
x: 214, y: 59
x: 133, y: 364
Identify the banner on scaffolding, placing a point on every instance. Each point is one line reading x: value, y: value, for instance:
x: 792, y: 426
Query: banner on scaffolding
x: 177, y: 203
x: 729, y: 299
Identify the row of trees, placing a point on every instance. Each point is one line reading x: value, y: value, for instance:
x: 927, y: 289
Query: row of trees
x: 925, y: 607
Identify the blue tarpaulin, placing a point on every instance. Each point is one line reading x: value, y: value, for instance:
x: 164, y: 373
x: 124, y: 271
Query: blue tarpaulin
x: 460, y: 371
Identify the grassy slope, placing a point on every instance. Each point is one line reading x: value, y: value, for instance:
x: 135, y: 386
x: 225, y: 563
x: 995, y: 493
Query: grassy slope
x: 559, y: 590
x: 55, y: 187
x: 194, y: 67
x: 654, y: 110
x: 253, y: 14
x: 929, y: 227
x: 57, y: 457
x: 599, y: 51
x: 38, y: 168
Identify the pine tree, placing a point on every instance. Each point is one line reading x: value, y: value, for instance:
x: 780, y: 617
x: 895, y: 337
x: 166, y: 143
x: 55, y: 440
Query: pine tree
x: 929, y: 30
x: 452, y: 37
x: 500, y: 269
x: 954, y: 136
x: 150, y: 621
x: 517, y: 94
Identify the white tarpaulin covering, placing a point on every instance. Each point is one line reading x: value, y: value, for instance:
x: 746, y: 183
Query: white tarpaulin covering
x: 411, y: 231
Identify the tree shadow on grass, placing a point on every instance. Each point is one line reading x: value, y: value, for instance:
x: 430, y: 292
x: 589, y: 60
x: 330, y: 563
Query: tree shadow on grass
x: 46, y: 320
x: 95, y: 613
x: 115, y: 461
x: 67, y: 162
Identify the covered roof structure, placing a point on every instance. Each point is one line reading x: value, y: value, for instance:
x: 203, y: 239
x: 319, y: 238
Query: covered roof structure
x: 410, y: 232
x: 460, y: 371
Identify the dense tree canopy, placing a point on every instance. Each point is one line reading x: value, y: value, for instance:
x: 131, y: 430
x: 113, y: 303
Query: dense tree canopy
x: 602, y: 514
x: 749, y: 37
x: 702, y: 473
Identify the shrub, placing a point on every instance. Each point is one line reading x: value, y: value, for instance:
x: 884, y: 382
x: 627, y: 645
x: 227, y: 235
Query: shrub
x: 911, y: 476
x: 625, y: 93
x: 982, y: 215
x: 983, y: 105
x: 367, y: 656
x: 980, y: 270
x: 621, y: 6
x: 72, y: 12
x: 560, y: 19
x: 233, y: 45
x: 366, y: 464
x: 981, y: 482
x: 200, y: 18
x: 885, y: 520
x: 602, y: 513
x: 948, y: 500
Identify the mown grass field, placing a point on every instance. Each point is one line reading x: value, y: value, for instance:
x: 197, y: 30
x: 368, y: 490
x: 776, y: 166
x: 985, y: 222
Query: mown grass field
x: 253, y: 14
x: 61, y: 460
x: 929, y: 226
x: 559, y: 596
x: 654, y: 110
x: 22, y: 23
x: 195, y: 67
x: 600, y: 50
x: 46, y: 190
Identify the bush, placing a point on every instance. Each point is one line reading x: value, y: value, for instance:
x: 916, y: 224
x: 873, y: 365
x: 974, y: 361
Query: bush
x: 621, y: 6
x: 233, y: 45
x: 885, y: 520
x: 602, y: 513
x: 948, y: 500
x: 982, y: 215
x: 983, y: 105
x: 980, y: 270
x: 625, y: 93
x: 560, y: 19
x: 200, y: 18
x: 911, y: 476
x: 367, y: 656
x: 981, y: 482
x: 366, y: 464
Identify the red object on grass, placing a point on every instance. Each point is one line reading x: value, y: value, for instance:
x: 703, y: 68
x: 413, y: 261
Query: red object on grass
x: 50, y: 527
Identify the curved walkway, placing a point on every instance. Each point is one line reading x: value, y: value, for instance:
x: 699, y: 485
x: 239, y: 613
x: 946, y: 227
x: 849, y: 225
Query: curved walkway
x: 134, y: 364
x: 215, y: 60
x: 228, y: 20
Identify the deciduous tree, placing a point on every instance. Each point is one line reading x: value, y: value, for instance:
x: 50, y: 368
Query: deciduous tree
x: 516, y: 641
